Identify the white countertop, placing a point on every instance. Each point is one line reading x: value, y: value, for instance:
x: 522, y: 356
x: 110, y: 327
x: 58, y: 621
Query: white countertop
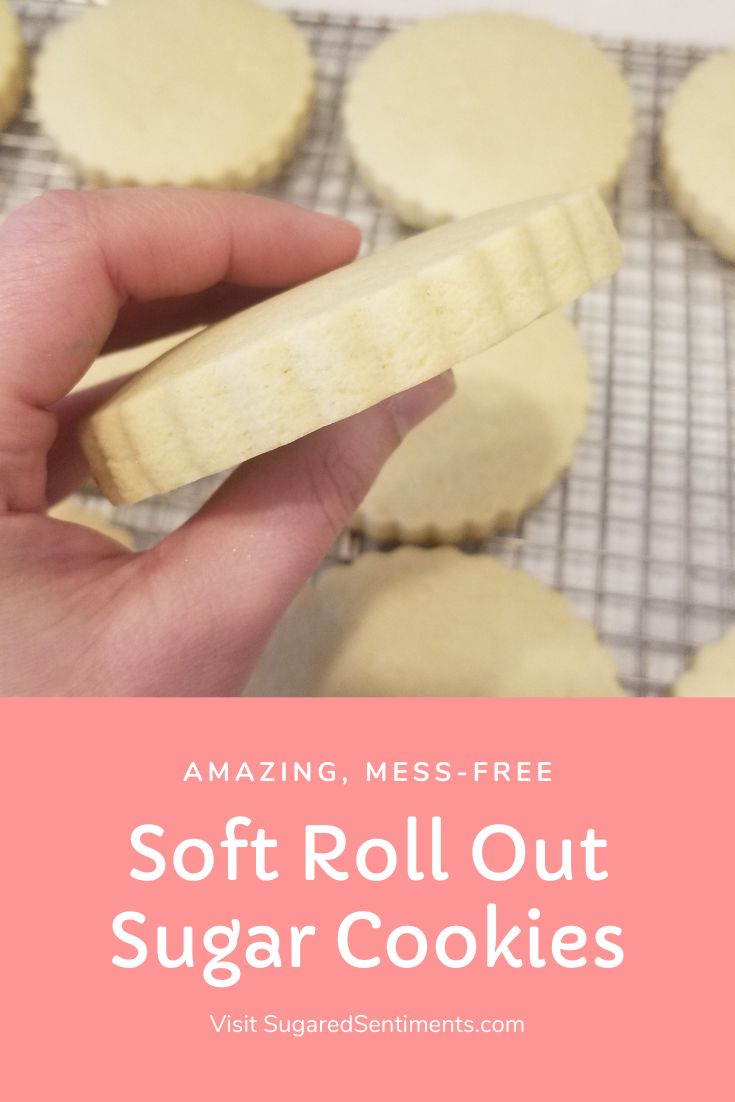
x: 703, y: 22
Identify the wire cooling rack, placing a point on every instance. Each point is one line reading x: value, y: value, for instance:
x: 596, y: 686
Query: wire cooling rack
x: 640, y: 533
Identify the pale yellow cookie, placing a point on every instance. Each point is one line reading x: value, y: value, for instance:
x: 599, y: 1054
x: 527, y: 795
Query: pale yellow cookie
x: 127, y: 360
x: 493, y: 449
x: 456, y: 114
x: 189, y: 92
x: 698, y: 151
x: 713, y: 671
x: 12, y: 65
x: 76, y: 514
x: 432, y: 623
x: 330, y: 348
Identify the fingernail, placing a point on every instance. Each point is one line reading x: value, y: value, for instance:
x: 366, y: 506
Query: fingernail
x: 345, y: 222
x: 410, y: 407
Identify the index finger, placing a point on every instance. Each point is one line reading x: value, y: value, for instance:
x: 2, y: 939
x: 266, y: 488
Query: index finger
x: 71, y: 260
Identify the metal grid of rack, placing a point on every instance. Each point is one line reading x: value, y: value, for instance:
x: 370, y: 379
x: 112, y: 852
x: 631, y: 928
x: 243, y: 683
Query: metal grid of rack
x: 640, y: 533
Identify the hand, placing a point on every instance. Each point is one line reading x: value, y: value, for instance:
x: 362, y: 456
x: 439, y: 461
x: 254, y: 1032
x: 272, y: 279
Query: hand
x: 79, y: 615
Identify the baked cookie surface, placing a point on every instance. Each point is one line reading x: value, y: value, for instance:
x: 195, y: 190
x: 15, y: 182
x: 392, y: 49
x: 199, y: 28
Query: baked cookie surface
x: 493, y: 449
x: 432, y: 623
x: 126, y: 360
x: 456, y: 114
x: 326, y: 350
x: 186, y: 92
x: 698, y: 151
x: 12, y: 65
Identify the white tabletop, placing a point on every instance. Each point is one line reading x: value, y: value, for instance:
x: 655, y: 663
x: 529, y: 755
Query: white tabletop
x: 699, y: 22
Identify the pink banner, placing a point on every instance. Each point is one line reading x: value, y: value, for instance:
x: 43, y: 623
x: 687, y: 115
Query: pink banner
x: 361, y: 899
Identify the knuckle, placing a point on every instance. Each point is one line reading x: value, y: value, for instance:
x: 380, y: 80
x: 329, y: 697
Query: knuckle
x: 57, y: 215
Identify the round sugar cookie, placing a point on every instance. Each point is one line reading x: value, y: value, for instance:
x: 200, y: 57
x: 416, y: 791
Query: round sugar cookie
x: 12, y: 65
x: 432, y: 623
x: 464, y: 112
x: 72, y: 513
x: 698, y: 151
x: 713, y: 671
x: 128, y: 360
x: 332, y: 347
x: 186, y: 92
x: 493, y: 449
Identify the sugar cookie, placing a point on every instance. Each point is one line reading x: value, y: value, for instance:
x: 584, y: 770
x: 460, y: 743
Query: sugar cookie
x: 698, y: 151
x: 493, y: 449
x: 188, y: 92
x: 12, y: 65
x: 453, y: 115
x: 114, y: 364
x: 713, y: 671
x: 432, y: 623
x: 89, y: 518
x: 332, y: 347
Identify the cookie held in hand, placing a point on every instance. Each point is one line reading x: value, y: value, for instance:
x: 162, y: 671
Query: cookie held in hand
x: 332, y: 347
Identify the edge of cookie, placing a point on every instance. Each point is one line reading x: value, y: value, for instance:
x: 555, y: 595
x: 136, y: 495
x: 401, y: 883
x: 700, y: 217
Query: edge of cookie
x: 471, y: 530
x: 694, y: 671
x: 13, y: 91
x: 262, y: 171
x: 705, y: 222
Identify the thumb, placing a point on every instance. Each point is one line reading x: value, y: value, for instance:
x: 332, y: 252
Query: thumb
x: 236, y: 566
